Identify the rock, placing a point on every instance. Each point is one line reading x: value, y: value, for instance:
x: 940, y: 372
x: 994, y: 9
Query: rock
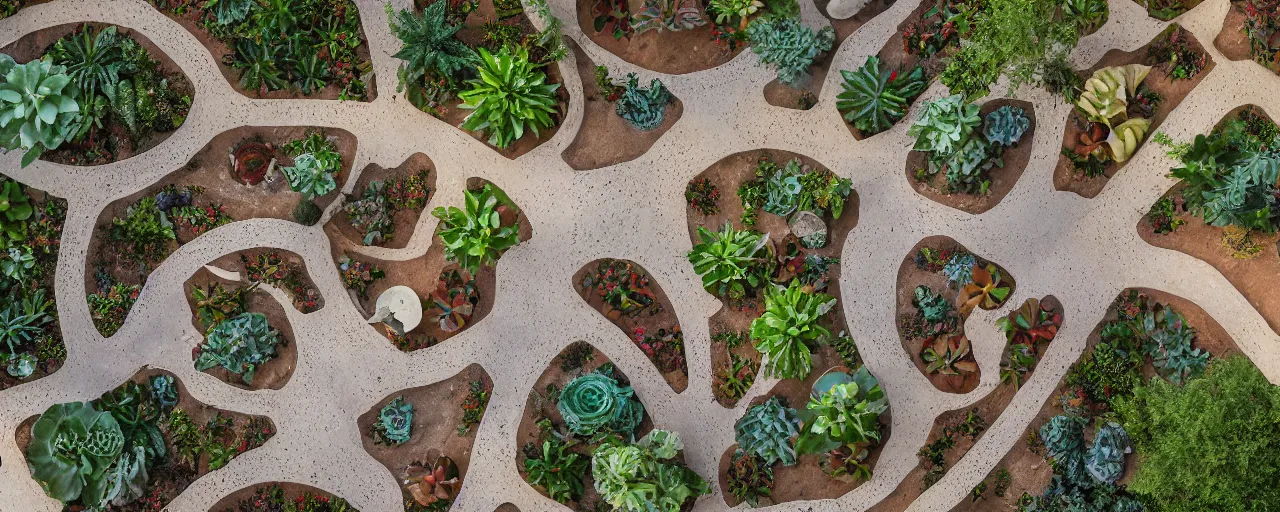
x: 810, y: 228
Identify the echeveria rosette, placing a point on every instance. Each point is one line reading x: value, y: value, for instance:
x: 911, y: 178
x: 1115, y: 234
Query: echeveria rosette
x: 509, y: 95
x: 594, y: 403
x: 72, y: 447
x: 38, y: 109
x: 395, y: 423
x: 475, y: 236
x: 790, y: 323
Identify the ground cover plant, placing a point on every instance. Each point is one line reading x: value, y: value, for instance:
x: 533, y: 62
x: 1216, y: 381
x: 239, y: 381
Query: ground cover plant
x: 628, y: 296
x: 30, y: 235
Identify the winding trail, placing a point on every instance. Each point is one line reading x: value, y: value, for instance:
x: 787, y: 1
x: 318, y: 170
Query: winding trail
x: 1083, y: 251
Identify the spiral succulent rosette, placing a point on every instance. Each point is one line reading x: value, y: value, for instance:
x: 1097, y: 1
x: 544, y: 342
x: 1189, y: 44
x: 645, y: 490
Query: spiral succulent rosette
x: 595, y: 402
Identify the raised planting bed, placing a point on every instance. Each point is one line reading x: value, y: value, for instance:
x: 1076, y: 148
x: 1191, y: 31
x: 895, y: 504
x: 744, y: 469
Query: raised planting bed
x: 932, y: 308
x: 135, y: 234
x: 135, y: 113
x: 385, y: 205
x: 314, y: 49
x: 432, y: 276
x: 605, y: 138
x: 214, y: 301
x: 712, y: 204
x: 1087, y: 160
x: 151, y: 407
x: 279, y: 496
x: 703, y: 45
x: 424, y: 427
x: 805, y: 97
x: 31, y: 226
x: 1006, y: 169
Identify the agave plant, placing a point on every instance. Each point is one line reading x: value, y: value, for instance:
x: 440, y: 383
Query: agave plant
x: 455, y: 298
x: 475, y: 236
x: 38, y: 108
x: 509, y: 95
x: 595, y: 403
x: 985, y: 291
x: 642, y: 108
x: 766, y: 430
x: 432, y: 483
x: 92, y: 57
x: 945, y: 355
x: 15, y: 209
x: 874, y: 99
x: 429, y: 45
x: 241, y: 345
x: 395, y: 423
x: 959, y: 269
x: 21, y: 321
x: 673, y: 15
x: 72, y: 447
x: 731, y: 261
x: 789, y: 325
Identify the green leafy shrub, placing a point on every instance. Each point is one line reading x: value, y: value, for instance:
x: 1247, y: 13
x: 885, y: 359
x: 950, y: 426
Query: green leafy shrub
x: 307, y: 213
x: 556, y: 469
x: 731, y: 261
x: 1228, y: 179
x: 1005, y: 125
x: 727, y: 10
x: 874, y: 99
x: 475, y: 236
x: 821, y: 191
x: 145, y: 232
x: 24, y: 318
x: 111, y: 306
x: 15, y: 211
x: 509, y: 96
x: 1169, y: 346
x: 73, y: 445
x: 595, y: 404
x: 215, y: 304
x: 642, y: 108
x: 766, y: 431
x: 429, y: 45
x: 945, y: 125
x: 1011, y: 37
x: 842, y: 418
x: 789, y: 325
x: 395, y: 423
x: 240, y: 345
x: 639, y: 477
x: 782, y: 188
x: 370, y: 214
x: 935, y: 308
x: 38, y: 107
x: 789, y: 46
x: 749, y: 478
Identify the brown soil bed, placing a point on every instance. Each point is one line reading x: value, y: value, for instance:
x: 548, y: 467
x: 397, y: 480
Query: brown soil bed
x: 211, y: 169
x: 292, y: 492
x: 170, y: 477
x: 779, y: 94
x: 119, y: 145
x: 727, y: 175
x: 423, y: 275
x: 472, y: 34
x: 909, y: 277
x: 673, y: 53
x: 1187, y: 5
x: 1065, y: 176
x: 274, y: 374
x: 1002, y: 178
x: 53, y: 330
x: 403, y: 221
x: 1232, y: 40
x: 537, y: 408
x: 806, y: 480
x: 647, y: 321
x: 1029, y: 469
x: 222, y: 52
x: 437, y: 416
x: 605, y: 138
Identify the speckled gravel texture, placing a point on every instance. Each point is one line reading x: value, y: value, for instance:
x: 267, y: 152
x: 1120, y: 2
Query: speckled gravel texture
x: 1083, y: 251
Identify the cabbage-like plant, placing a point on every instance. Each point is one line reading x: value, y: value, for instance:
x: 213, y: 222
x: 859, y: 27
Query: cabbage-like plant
x: 731, y: 261
x: 594, y: 404
x: 673, y: 15
x: 72, y: 447
x: 309, y: 178
x: 230, y: 12
x: 932, y: 305
x: 1125, y: 138
x: 509, y: 96
x: 395, y: 423
x: 1005, y: 125
x: 944, y: 125
x: 15, y: 209
x: 640, y: 477
x: 1105, y: 461
x: 789, y: 46
x: 1063, y: 438
x: 475, y: 236
x: 642, y: 108
x: 241, y: 345
x: 966, y: 168
x: 790, y: 324
x: 847, y: 413
x: 766, y: 431
x: 38, y: 108
x: 874, y: 99
x: 1106, y: 93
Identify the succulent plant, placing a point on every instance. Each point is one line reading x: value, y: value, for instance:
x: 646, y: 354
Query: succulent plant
x: 431, y: 483
x: 639, y: 478
x: 873, y: 100
x: 642, y: 108
x: 766, y: 431
x: 945, y: 355
x: 72, y: 447
x: 985, y: 291
x: 1105, y: 461
x: 731, y: 261
x: 309, y: 178
x: 20, y: 365
x: 509, y: 96
x: 15, y: 209
x: 673, y: 15
x: 1063, y: 435
x: 790, y: 323
x: 847, y: 414
x: 932, y: 305
x: 944, y: 125
x: 1125, y: 138
x: 1170, y: 346
x: 1106, y: 93
x: 594, y: 403
x: 782, y: 189
x: 395, y: 423
x: 38, y: 110
x: 1005, y: 125
x: 789, y: 46
x: 455, y: 298
x: 475, y: 236
x: 959, y: 269
x: 966, y: 168
x: 241, y: 345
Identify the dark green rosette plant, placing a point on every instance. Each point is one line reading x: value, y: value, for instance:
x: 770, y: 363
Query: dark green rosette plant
x: 72, y: 447
x: 789, y: 325
x: 874, y: 99
x: 731, y: 261
x: 509, y: 96
x: 429, y: 45
x: 475, y: 236
x: 556, y: 469
x: 643, y: 108
x: 789, y: 46
x: 595, y: 404
x: 395, y: 423
x: 241, y: 345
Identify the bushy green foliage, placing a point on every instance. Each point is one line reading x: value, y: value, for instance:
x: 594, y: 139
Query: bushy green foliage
x: 145, y: 231
x: 1011, y: 37
x: 509, y: 96
x: 932, y: 305
x: 766, y: 431
x: 1005, y: 125
x: 215, y: 304
x: 944, y: 125
x: 429, y: 45
x: 1208, y: 445
x: 395, y: 423
x: 15, y: 210
x: 791, y: 323
x: 874, y: 99
x: 24, y: 318
x: 782, y: 188
x: 845, y: 414
x: 556, y: 469
x: 309, y: 178
x: 731, y: 261
x: 642, y: 108
x: 240, y: 345
x: 595, y: 404
x: 38, y: 108
x: 475, y: 236
x: 307, y: 213
x: 640, y: 477
x: 727, y: 10
x: 1229, y: 176
x: 959, y: 269
x: 749, y: 478
x: 789, y: 46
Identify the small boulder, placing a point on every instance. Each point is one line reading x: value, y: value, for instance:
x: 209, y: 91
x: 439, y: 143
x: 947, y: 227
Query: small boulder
x: 810, y: 229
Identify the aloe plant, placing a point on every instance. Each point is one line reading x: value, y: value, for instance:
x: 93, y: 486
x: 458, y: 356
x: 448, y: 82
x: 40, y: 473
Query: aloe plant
x: 731, y: 261
x: 594, y: 403
x: 766, y: 430
x: 395, y: 423
x: 642, y: 108
x: 38, y: 109
x: 789, y: 46
x: 474, y: 235
x: 945, y: 355
x: 241, y: 345
x: 509, y: 96
x: 874, y: 99
x: 790, y: 324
